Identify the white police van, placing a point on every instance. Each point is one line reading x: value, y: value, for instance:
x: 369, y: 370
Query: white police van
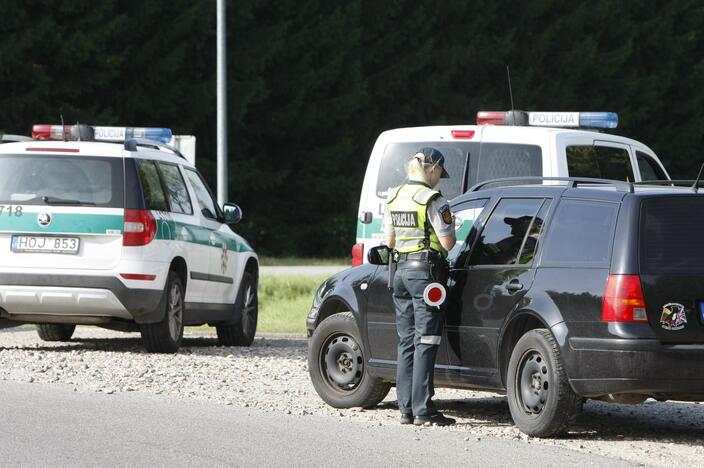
x: 123, y: 235
x: 502, y: 144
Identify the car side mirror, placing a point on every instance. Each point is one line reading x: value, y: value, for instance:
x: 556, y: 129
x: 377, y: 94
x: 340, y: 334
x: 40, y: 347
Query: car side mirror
x: 232, y: 212
x: 379, y: 255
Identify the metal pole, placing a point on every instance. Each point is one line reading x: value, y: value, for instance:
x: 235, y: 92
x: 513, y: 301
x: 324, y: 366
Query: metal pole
x: 222, y: 104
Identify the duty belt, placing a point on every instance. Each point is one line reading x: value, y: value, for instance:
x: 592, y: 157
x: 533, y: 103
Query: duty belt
x: 423, y: 255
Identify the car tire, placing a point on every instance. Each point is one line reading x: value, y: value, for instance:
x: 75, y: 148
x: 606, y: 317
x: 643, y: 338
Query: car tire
x: 337, y: 365
x: 166, y: 335
x: 540, y: 398
x: 55, y: 331
x: 247, y: 304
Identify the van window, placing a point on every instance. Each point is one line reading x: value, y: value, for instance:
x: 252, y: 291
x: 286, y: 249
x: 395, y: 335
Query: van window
x: 649, y: 169
x: 670, y: 236
x: 504, y: 235
x: 581, y: 234
x: 154, y: 197
x: 600, y: 162
x: 392, y: 172
x: 176, y: 189
x: 498, y: 160
x: 30, y: 179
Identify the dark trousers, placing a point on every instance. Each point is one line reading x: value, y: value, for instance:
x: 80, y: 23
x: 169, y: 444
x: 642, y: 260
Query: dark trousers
x: 419, y: 329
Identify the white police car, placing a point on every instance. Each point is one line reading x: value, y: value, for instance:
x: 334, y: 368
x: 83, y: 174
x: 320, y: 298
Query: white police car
x: 123, y: 235
x: 502, y: 144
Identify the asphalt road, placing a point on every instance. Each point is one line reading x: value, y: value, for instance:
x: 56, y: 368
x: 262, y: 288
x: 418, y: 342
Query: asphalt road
x: 52, y: 425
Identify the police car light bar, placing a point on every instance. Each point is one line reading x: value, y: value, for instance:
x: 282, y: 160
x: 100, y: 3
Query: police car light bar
x: 549, y: 119
x: 116, y: 134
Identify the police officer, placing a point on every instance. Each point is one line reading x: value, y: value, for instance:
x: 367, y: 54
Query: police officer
x: 419, y: 225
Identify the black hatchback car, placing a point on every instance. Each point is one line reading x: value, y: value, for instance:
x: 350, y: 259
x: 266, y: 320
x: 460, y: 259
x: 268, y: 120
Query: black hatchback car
x: 558, y: 292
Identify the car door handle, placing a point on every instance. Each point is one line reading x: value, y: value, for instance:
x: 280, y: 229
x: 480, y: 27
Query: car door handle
x: 514, y: 286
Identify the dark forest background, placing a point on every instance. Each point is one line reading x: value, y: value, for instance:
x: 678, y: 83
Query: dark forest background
x: 313, y: 82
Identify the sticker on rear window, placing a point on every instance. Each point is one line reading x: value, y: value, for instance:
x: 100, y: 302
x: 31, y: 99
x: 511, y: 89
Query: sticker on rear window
x: 674, y: 316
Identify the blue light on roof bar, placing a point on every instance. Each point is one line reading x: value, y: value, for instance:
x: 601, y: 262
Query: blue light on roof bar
x: 598, y: 119
x: 162, y: 135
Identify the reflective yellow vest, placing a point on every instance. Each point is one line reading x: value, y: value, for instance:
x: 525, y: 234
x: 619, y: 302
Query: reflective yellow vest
x: 408, y: 206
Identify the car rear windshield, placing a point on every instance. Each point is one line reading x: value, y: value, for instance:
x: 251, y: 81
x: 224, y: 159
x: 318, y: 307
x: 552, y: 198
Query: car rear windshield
x: 61, y: 180
x: 671, y: 235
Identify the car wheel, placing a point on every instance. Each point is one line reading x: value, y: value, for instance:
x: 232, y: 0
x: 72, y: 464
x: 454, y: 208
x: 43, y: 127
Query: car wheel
x: 540, y: 398
x: 166, y: 336
x: 55, y: 331
x: 337, y: 365
x: 242, y: 333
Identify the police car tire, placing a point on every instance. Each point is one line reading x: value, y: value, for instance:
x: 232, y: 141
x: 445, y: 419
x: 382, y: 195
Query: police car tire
x: 55, y: 331
x: 242, y: 333
x: 368, y: 393
x: 562, y: 405
x: 156, y: 337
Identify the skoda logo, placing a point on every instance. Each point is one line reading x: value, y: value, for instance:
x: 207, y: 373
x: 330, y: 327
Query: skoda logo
x: 44, y: 219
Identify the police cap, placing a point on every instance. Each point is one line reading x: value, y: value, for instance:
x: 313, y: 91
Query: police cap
x: 430, y: 155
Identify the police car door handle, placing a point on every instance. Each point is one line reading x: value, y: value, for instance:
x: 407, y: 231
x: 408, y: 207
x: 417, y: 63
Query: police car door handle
x: 514, y: 286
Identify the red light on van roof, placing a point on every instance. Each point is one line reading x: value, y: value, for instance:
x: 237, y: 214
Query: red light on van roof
x: 491, y: 118
x: 50, y: 132
x: 462, y: 134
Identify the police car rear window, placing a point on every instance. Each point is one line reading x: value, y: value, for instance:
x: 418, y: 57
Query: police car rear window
x: 491, y: 161
x: 671, y: 235
x: 499, y: 160
x: 61, y: 180
x: 600, y: 162
x: 396, y: 155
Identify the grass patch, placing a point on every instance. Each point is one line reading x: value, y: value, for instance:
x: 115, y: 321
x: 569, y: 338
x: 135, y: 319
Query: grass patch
x: 302, y: 261
x: 284, y: 303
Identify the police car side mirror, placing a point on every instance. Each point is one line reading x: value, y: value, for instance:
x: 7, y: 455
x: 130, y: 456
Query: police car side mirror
x: 379, y: 255
x: 232, y: 212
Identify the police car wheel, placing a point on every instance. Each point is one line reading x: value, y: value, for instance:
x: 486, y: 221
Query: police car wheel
x: 540, y: 398
x: 336, y: 364
x: 166, y: 335
x: 247, y: 303
x: 55, y: 331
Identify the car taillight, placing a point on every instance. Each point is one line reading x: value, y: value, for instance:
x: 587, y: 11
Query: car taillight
x: 357, y: 254
x: 139, y: 228
x: 623, y: 301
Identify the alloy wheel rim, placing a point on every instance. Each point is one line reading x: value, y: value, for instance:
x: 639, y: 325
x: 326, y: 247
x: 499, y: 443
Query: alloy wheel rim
x: 175, y: 312
x: 342, y: 362
x: 249, y: 309
x: 533, y: 382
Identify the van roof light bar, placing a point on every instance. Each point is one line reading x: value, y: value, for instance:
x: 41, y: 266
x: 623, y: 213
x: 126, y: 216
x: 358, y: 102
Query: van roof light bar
x: 595, y: 120
x: 572, y: 182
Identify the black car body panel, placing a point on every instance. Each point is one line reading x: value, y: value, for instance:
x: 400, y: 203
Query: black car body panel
x: 587, y: 235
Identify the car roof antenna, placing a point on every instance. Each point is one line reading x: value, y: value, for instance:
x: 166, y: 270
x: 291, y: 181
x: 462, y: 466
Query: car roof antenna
x: 510, y: 91
x: 63, y: 128
x: 695, y: 185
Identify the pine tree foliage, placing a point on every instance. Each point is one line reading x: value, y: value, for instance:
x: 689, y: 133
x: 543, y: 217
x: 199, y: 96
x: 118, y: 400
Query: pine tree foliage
x: 311, y: 83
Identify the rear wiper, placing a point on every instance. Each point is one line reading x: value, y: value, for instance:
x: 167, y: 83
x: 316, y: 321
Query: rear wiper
x: 63, y: 201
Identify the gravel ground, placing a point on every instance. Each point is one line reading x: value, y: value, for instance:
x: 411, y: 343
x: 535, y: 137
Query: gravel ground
x: 272, y: 375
